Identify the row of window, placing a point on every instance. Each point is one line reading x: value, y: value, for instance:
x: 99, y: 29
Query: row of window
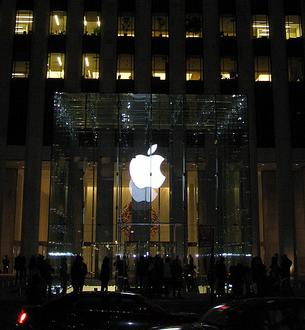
x: 126, y: 25
x: 194, y: 67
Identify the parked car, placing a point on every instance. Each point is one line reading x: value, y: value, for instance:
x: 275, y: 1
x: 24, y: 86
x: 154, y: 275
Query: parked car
x: 98, y: 310
x: 251, y: 314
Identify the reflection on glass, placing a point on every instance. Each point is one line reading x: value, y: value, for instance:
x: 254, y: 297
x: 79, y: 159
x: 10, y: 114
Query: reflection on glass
x: 21, y: 69
x: 293, y: 27
x: 160, y: 26
x: 193, y: 26
x: 56, y: 65
x: 295, y: 69
x: 227, y: 26
x: 126, y: 26
x: 58, y: 22
x: 159, y: 67
x: 24, y: 22
x: 92, y: 23
x: 228, y: 68
x: 125, y: 66
x: 90, y: 66
x: 260, y: 26
x: 194, y: 68
x: 262, y: 68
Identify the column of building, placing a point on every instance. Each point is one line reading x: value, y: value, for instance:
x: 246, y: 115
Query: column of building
x: 211, y: 79
x: 285, y: 202
x: 246, y: 87
x: 7, y: 23
x: 178, y: 214
x: 107, y: 145
x: 72, y: 84
x: 34, y: 129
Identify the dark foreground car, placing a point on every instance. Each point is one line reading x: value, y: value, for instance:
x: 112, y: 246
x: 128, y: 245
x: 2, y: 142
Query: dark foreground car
x: 251, y: 314
x: 98, y: 310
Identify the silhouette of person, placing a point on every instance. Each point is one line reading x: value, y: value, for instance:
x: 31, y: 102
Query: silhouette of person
x: 63, y: 275
x: 5, y: 264
x: 78, y: 274
x: 105, y: 274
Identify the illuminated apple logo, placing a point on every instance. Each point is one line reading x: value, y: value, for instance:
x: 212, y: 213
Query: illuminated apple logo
x: 146, y: 175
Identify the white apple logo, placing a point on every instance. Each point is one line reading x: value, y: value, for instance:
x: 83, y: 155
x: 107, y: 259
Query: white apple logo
x: 145, y: 173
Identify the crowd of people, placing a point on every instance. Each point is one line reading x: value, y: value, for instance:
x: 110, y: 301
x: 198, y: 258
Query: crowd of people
x: 156, y: 276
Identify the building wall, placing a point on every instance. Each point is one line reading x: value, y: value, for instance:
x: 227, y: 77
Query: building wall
x: 275, y: 107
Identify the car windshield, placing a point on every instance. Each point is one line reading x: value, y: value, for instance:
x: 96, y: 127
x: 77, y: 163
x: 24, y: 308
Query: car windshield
x: 221, y: 315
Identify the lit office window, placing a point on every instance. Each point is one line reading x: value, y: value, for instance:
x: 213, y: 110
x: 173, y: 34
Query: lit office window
x: 227, y: 26
x: 125, y: 66
x: 58, y: 20
x: 160, y: 26
x: 193, y: 26
x: 260, y: 26
x: 56, y: 65
x: 21, y: 69
x: 126, y: 26
x: 228, y: 68
x: 92, y: 23
x: 295, y: 69
x: 262, y: 68
x: 160, y: 67
x: 24, y: 22
x: 91, y: 65
x: 194, y: 68
x: 293, y: 27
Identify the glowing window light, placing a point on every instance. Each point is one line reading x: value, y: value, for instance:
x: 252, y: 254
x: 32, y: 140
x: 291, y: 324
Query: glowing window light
x: 85, y: 21
x: 56, y: 20
x: 59, y: 61
x: 87, y: 61
x: 98, y: 21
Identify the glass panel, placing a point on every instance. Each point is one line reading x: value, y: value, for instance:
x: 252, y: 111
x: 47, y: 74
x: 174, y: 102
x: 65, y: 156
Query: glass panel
x: 160, y: 67
x: 193, y: 26
x: 160, y: 26
x: 194, y: 68
x: 262, y: 68
x: 295, y: 69
x: 92, y: 23
x: 260, y: 26
x: 91, y: 64
x: 160, y: 191
x: 24, y: 22
x: 56, y: 65
x: 125, y: 66
x: 21, y: 69
x: 228, y: 68
x: 227, y: 26
x: 58, y: 22
x: 293, y: 27
x: 126, y: 26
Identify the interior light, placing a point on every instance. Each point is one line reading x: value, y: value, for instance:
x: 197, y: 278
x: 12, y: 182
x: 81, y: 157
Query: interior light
x: 86, y: 61
x: 59, y: 60
x: 56, y: 20
x: 85, y: 21
x: 98, y: 21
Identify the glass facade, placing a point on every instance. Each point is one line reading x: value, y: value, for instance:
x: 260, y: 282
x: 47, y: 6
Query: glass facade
x: 149, y: 173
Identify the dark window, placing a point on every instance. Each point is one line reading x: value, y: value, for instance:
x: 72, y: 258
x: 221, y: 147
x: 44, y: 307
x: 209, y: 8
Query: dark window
x: 264, y: 115
x: 18, y: 112
x: 58, y: 5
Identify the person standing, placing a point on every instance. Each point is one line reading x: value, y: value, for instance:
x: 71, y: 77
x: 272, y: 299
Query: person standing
x: 78, y: 274
x: 5, y: 264
x: 105, y: 274
x: 63, y: 274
